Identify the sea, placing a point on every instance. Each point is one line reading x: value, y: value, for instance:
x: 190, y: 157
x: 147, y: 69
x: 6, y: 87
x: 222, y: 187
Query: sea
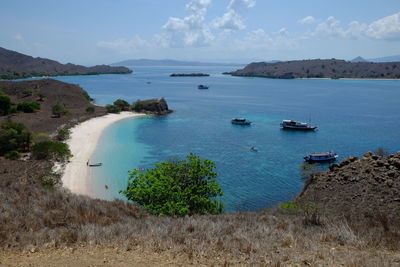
x: 353, y: 117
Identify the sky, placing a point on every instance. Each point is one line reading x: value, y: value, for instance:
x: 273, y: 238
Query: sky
x: 92, y: 32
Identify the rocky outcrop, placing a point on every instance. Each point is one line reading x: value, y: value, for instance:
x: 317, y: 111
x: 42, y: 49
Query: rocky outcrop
x: 14, y: 65
x: 364, y: 186
x: 152, y: 106
x: 321, y: 68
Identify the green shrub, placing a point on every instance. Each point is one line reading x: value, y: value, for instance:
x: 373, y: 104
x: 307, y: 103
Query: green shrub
x: 5, y: 105
x: 12, y: 155
x: 87, y: 96
x: 90, y: 109
x: 63, y: 134
x: 58, y: 110
x: 14, y: 136
x: 28, y: 107
x: 289, y: 207
x: 51, y: 151
x: 113, y: 109
x: 137, y: 106
x: 50, y: 178
x: 122, y: 104
x: 177, y: 187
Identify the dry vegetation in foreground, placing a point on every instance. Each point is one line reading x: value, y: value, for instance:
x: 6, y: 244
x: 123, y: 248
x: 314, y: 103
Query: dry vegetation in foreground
x: 37, y: 221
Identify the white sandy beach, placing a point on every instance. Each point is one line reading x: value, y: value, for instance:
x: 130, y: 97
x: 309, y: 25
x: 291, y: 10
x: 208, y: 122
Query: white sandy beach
x: 83, y: 142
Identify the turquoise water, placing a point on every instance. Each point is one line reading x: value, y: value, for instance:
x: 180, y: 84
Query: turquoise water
x: 353, y: 116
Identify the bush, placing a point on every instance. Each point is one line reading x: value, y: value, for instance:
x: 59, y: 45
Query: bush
x: 122, y: 104
x: 51, y: 151
x: 113, y: 109
x: 177, y: 187
x: 5, y: 105
x: 58, y: 110
x: 12, y: 155
x: 90, y: 109
x: 137, y: 106
x: 28, y: 107
x: 87, y: 96
x: 63, y: 134
x: 14, y: 136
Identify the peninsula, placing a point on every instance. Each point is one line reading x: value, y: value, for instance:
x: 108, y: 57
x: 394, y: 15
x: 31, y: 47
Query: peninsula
x: 14, y: 65
x: 189, y: 75
x: 321, y: 68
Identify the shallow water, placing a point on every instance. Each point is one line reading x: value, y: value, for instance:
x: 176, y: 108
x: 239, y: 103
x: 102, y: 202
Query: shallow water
x: 353, y: 116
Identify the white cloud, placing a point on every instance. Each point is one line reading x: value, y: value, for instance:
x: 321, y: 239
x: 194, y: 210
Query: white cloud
x: 232, y: 19
x: 387, y: 28
x: 190, y: 30
x: 18, y: 37
x: 261, y: 40
x: 307, y: 20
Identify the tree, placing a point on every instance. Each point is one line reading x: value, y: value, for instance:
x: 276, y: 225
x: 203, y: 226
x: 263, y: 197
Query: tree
x: 57, y: 110
x: 14, y: 136
x: 113, y: 109
x: 177, y: 187
x: 5, y: 105
x: 122, y: 104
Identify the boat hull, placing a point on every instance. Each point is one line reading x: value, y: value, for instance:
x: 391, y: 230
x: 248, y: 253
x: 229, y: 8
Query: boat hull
x: 325, y: 158
x: 309, y: 128
x: 241, y: 123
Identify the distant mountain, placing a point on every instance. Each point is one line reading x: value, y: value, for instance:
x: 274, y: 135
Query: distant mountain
x: 168, y: 62
x: 386, y: 59
x: 359, y: 59
x: 321, y: 68
x: 14, y: 65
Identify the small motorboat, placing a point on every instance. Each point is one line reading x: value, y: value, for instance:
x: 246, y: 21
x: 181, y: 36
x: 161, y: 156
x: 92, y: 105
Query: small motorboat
x: 297, y: 125
x: 202, y: 87
x: 95, y: 164
x: 240, y: 121
x: 254, y: 149
x: 321, y: 157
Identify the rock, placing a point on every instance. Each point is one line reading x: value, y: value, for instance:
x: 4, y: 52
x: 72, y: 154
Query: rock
x: 375, y: 157
x: 368, y: 154
x: 152, y: 106
x: 333, y: 167
x: 352, y: 158
x: 389, y: 182
x: 379, y: 163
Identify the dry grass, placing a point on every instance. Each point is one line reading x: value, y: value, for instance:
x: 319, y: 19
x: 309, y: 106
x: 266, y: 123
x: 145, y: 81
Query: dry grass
x: 34, y: 216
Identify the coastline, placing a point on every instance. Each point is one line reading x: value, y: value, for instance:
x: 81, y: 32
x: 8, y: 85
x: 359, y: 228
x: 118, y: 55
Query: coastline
x: 82, y: 143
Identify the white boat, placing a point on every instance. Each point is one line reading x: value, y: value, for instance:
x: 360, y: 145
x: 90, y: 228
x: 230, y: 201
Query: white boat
x: 297, y: 125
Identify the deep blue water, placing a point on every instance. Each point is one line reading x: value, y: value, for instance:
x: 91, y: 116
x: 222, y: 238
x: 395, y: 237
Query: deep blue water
x: 353, y: 116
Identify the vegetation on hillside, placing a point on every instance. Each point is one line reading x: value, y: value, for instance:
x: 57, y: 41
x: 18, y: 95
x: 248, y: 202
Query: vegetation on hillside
x: 14, y: 137
x: 177, y: 187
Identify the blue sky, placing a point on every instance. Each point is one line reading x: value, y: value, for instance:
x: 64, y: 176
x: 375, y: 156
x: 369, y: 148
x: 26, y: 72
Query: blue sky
x: 105, y: 31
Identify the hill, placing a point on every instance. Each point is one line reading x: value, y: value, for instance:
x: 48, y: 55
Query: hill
x: 14, y: 65
x: 71, y: 97
x: 321, y: 68
x: 386, y: 59
x: 168, y: 62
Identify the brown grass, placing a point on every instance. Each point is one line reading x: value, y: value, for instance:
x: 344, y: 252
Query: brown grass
x: 34, y: 216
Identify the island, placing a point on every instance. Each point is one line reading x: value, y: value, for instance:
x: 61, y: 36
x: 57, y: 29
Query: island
x: 189, y: 75
x: 320, y: 68
x: 14, y: 65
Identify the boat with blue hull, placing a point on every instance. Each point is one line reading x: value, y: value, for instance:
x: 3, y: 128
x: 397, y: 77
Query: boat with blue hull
x: 321, y: 157
x: 202, y: 86
x: 240, y: 121
x: 297, y: 125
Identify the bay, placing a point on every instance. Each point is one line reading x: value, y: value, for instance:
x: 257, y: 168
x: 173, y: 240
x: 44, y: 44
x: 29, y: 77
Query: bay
x: 353, y: 116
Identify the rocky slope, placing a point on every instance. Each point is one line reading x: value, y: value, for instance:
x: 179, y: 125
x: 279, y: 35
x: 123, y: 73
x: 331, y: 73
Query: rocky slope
x: 14, y: 65
x: 153, y: 106
x: 367, y: 186
x: 321, y: 68
x: 71, y: 97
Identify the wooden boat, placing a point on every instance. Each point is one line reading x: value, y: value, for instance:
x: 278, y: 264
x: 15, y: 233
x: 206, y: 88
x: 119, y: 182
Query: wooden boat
x: 321, y: 157
x: 240, y: 121
x: 202, y: 87
x: 296, y: 125
x: 95, y: 164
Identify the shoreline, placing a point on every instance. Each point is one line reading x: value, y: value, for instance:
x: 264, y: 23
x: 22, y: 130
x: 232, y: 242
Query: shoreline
x: 82, y: 143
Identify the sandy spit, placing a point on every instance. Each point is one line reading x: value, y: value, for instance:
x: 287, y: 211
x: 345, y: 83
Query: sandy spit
x: 83, y: 142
